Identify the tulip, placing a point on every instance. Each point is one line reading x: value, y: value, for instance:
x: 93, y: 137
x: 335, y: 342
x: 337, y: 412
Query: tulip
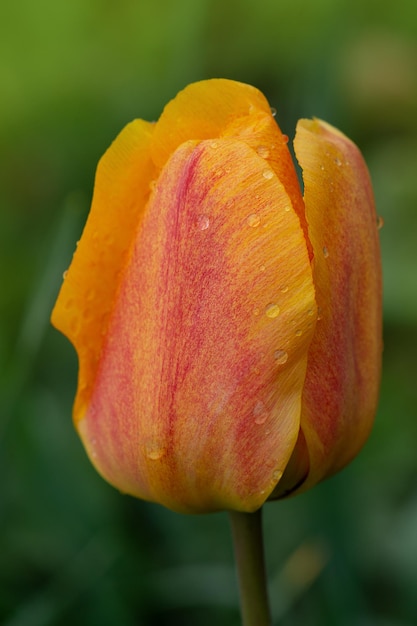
x: 227, y: 324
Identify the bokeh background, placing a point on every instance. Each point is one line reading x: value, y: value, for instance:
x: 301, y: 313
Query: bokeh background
x: 72, y: 549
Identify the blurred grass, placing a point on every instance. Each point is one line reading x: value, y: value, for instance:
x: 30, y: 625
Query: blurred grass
x: 72, y: 549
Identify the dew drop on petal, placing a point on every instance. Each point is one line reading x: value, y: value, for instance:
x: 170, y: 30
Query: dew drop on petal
x: 280, y: 356
x: 379, y: 222
x: 268, y: 174
x: 284, y: 288
x: 263, y: 151
x: 260, y: 413
x: 272, y: 310
x: 253, y: 220
x: 285, y: 138
x: 325, y: 252
x: 154, y: 452
x: 65, y: 274
x: 338, y: 161
x: 202, y: 222
x: 276, y: 475
x: 273, y: 111
x: 298, y: 332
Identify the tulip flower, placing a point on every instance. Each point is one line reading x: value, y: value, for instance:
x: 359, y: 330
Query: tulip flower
x: 227, y: 320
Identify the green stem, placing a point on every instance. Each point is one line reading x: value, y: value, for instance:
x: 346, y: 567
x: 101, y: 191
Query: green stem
x: 250, y: 564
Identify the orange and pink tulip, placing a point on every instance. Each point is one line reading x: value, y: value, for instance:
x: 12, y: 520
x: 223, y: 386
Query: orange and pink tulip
x: 227, y: 325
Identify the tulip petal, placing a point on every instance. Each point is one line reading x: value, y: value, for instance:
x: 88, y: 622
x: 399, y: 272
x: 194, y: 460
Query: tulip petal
x: 196, y: 403
x: 85, y: 302
x: 202, y: 111
x: 343, y: 372
x: 224, y: 108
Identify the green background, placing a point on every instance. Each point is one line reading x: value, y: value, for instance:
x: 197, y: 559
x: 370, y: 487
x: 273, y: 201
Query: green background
x: 72, y: 549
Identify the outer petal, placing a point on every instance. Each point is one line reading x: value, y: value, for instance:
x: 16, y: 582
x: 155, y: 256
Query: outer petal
x: 219, y: 108
x: 196, y: 404
x: 342, y: 382
x: 87, y: 296
x: 203, y: 110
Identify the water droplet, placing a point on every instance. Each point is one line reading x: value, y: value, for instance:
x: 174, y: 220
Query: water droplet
x: 276, y: 475
x: 214, y: 144
x: 379, y: 222
x: 268, y: 174
x: 338, y: 161
x: 154, y: 452
x: 281, y: 356
x: 310, y: 312
x: 256, y: 311
x: 325, y: 252
x: 285, y: 138
x: 260, y: 413
x: 298, y: 332
x: 287, y: 208
x: 263, y: 151
x: 262, y: 268
x: 284, y: 288
x: 253, y: 220
x: 272, y: 310
x: 322, y: 167
x: 65, y: 274
x: 273, y: 111
x: 203, y: 222
x: 319, y: 314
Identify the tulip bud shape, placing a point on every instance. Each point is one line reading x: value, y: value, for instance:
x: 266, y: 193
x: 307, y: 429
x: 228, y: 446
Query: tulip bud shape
x: 227, y: 325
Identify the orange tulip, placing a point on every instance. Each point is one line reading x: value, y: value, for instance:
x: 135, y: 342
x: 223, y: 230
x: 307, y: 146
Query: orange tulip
x: 228, y: 330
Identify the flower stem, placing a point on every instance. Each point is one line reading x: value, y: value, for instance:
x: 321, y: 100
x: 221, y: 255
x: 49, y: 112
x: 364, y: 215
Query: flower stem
x: 250, y: 564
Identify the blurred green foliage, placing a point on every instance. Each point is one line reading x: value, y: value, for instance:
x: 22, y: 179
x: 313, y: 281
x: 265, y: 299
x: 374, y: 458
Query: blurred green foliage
x: 73, y: 550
